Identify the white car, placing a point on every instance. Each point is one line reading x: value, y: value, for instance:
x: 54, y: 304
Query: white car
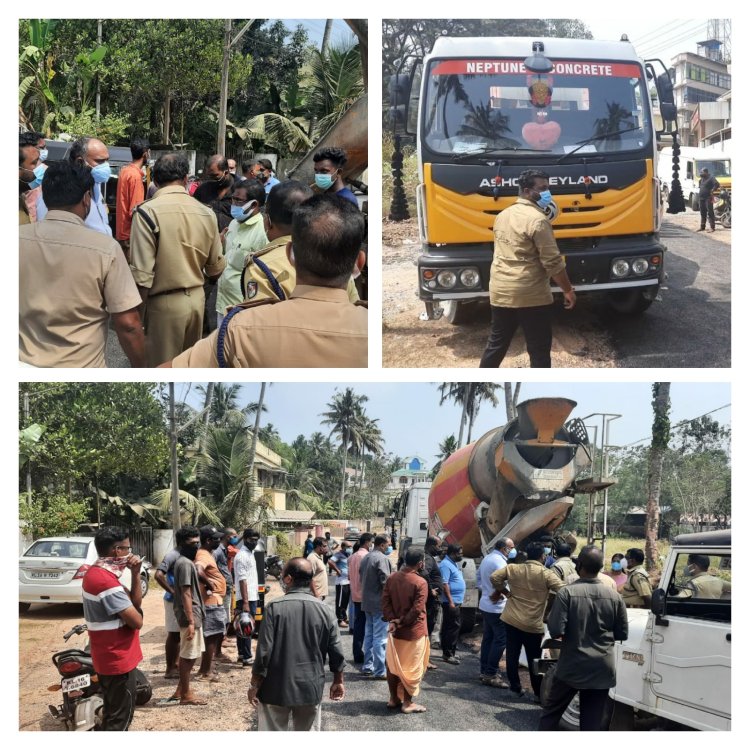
x: 50, y: 571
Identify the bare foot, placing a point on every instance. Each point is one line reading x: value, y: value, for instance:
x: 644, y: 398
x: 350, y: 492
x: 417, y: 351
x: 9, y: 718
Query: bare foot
x: 412, y: 708
x: 393, y: 704
x: 430, y: 665
x: 193, y: 700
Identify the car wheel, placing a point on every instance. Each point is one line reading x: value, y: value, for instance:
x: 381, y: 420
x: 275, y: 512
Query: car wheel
x: 23, y: 606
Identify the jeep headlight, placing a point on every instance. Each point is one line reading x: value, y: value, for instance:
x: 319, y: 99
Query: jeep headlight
x: 447, y: 279
x: 620, y: 268
x: 469, y: 277
x: 640, y: 266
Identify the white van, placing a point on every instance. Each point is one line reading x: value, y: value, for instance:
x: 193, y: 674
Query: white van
x: 692, y: 161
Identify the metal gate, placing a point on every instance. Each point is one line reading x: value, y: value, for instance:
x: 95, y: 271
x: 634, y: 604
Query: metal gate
x: 142, y: 542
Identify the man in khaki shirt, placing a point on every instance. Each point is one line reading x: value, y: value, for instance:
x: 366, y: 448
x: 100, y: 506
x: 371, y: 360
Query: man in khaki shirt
x: 171, y: 248
x: 72, y: 279
x: 531, y: 585
x: 524, y: 260
x: 702, y: 585
x: 318, y: 326
x: 268, y: 274
x: 636, y: 591
x: 320, y: 572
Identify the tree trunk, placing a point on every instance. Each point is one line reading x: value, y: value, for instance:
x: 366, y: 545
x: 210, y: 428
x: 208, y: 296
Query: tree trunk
x: 176, y: 523
x: 207, y: 415
x: 167, y: 124
x: 343, y: 476
x: 659, y: 443
x: 256, y: 429
x: 511, y: 400
x: 224, y: 94
x: 464, y: 409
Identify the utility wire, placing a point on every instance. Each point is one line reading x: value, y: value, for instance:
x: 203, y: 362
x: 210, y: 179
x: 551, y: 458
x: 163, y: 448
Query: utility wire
x: 679, y: 424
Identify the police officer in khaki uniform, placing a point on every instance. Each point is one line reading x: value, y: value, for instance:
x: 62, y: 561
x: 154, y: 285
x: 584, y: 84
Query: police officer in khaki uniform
x: 73, y: 281
x: 174, y: 241
x: 318, y: 326
x: 636, y: 591
x: 268, y: 274
x: 702, y: 585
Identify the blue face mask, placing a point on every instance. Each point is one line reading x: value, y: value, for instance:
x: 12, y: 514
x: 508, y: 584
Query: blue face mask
x: 616, y: 566
x: 348, y: 552
x: 548, y: 550
x: 38, y: 176
x: 101, y: 172
x: 545, y: 198
x: 324, y: 181
x: 43, y: 154
x: 389, y: 550
x: 234, y: 540
x: 511, y: 553
x: 243, y: 213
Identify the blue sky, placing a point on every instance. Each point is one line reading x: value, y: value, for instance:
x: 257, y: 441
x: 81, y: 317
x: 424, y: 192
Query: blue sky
x: 414, y: 424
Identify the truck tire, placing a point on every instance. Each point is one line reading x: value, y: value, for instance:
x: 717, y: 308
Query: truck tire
x: 468, y: 620
x: 694, y: 202
x: 629, y: 301
x: 460, y: 313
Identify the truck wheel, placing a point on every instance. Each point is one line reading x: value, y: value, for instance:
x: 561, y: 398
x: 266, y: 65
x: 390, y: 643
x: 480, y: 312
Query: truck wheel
x: 694, y: 202
x: 460, y: 313
x: 468, y: 620
x: 629, y: 301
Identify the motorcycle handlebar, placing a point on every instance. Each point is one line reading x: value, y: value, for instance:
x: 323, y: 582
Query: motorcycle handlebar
x: 75, y: 630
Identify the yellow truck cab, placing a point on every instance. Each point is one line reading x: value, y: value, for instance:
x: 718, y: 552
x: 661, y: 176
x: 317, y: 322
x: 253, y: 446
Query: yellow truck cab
x: 483, y: 110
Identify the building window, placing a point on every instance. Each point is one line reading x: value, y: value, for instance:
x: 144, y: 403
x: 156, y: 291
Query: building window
x: 694, y: 96
x: 403, y: 480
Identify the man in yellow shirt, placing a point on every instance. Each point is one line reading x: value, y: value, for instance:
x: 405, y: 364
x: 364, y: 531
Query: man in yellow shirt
x: 524, y: 260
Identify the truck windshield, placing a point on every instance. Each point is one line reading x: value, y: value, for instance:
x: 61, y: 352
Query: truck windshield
x: 480, y: 105
x: 717, y: 167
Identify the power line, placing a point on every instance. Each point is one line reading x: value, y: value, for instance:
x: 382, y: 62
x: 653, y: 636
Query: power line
x: 650, y: 48
x: 659, y: 32
x: 679, y: 424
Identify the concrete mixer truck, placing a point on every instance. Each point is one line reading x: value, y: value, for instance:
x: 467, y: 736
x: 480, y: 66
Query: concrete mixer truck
x: 518, y: 480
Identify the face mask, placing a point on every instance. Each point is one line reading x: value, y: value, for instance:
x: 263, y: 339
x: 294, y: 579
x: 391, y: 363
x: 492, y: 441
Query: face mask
x: 616, y: 566
x: 242, y: 213
x: 545, y: 198
x: 347, y: 552
x: 251, y: 544
x: 115, y: 565
x: 101, y: 172
x: 43, y: 154
x: 324, y: 181
x: 687, y: 570
x: 548, y: 550
x: 511, y: 554
x: 189, y: 551
x: 38, y: 176
x: 234, y: 540
x: 389, y: 550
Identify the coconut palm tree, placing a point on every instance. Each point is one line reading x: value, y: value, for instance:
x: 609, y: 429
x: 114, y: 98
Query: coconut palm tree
x: 659, y: 444
x: 367, y: 436
x: 470, y: 396
x: 343, y: 412
x: 447, y: 447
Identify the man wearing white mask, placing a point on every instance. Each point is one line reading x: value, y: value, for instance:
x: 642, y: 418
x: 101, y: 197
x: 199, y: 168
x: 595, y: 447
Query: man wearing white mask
x: 92, y: 153
x: 524, y: 260
x: 245, y: 236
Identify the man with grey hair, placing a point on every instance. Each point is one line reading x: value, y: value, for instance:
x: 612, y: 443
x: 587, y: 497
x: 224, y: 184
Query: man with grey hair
x: 298, y: 632
x: 184, y: 234
x: 589, y: 617
x: 493, y: 638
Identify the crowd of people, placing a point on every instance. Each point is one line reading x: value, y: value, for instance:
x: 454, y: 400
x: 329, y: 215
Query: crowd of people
x: 242, y: 271
x: 210, y: 580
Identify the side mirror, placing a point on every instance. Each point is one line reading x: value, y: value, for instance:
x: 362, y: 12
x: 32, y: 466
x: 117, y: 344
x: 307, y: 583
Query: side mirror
x: 659, y: 606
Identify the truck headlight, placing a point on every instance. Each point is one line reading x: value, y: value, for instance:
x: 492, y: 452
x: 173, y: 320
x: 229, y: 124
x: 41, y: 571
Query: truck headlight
x: 620, y: 268
x: 640, y: 266
x: 447, y: 279
x: 469, y: 277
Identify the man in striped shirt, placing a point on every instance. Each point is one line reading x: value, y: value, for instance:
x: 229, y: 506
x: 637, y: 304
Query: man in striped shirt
x: 113, y: 617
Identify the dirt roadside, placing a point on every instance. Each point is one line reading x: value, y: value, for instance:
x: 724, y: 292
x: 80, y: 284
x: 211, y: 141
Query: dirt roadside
x: 40, y: 636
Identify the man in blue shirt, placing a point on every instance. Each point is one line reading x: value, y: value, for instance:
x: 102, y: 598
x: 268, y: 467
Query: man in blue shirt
x: 451, y: 602
x: 493, y: 638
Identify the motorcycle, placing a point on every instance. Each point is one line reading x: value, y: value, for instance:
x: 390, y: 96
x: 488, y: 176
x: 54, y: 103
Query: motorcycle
x: 82, y: 701
x: 723, y: 209
x: 274, y: 566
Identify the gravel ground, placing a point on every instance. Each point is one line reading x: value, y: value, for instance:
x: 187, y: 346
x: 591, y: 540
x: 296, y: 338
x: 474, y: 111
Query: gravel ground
x: 581, y: 337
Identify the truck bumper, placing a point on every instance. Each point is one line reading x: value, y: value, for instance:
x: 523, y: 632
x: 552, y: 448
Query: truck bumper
x: 590, y: 264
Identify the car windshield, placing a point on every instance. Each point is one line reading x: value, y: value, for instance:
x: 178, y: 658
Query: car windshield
x: 717, y: 167
x: 497, y: 105
x: 53, y: 548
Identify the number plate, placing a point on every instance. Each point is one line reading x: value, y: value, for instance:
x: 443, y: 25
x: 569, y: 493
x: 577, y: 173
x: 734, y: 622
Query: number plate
x: 45, y: 575
x: 76, y: 683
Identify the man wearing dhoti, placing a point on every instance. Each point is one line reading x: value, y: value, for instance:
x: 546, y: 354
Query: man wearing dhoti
x: 408, y: 648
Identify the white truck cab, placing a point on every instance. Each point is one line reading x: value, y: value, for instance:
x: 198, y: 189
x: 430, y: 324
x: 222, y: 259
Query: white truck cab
x: 675, y: 665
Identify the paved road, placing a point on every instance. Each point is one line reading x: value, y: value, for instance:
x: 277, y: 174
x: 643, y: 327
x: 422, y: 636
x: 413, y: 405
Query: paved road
x: 454, y: 698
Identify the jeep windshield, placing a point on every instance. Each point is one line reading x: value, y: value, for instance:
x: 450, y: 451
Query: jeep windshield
x: 496, y: 105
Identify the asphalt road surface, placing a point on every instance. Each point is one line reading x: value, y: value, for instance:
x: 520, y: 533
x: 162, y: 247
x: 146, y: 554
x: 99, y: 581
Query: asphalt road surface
x: 454, y: 698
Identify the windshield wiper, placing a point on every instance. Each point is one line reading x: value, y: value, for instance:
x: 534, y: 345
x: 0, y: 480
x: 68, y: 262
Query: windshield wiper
x: 497, y: 152
x: 602, y: 137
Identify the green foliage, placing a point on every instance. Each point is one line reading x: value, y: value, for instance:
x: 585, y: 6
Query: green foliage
x: 51, y: 514
x: 284, y: 548
x: 110, y: 128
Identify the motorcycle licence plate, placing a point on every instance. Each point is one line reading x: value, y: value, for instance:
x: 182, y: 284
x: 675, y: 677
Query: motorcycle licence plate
x: 76, y: 683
